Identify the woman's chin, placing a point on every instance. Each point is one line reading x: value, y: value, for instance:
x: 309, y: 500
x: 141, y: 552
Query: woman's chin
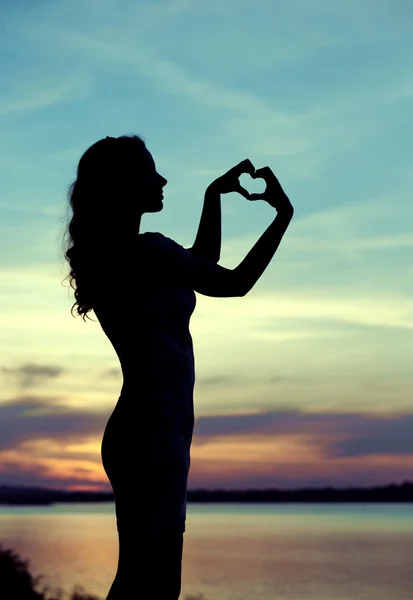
x: 155, y: 207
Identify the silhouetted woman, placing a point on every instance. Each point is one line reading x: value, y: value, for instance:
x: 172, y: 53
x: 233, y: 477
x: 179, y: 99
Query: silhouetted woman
x: 141, y: 288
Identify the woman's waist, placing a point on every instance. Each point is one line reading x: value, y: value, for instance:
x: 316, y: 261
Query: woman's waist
x: 160, y: 386
x: 154, y: 412
x: 158, y: 366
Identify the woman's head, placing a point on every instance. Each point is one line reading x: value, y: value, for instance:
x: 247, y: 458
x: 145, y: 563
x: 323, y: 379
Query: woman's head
x: 116, y: 183
x: 117, y: 180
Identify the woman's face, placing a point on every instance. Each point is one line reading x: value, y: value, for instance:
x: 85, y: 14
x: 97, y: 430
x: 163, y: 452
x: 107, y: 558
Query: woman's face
x: 151, y: 184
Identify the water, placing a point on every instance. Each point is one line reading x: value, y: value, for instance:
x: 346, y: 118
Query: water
x: 232, y: 551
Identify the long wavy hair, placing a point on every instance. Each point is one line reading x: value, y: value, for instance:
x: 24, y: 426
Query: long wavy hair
x: 102, y: 226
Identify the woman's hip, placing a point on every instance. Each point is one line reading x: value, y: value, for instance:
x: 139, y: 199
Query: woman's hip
x: 148, y: 443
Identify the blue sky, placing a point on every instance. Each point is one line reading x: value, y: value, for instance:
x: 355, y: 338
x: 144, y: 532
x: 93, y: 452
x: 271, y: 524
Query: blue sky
x: 306, y: 380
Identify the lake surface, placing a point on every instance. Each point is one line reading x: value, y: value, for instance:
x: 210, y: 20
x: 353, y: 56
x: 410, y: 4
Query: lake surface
x: 233, y: 551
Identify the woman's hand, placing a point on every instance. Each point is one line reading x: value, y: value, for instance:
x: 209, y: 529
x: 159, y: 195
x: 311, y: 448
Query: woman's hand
x: 229, y: 182
x: 273, y: 194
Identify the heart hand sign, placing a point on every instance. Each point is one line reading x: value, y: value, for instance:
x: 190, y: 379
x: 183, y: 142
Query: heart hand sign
x: 273, y: 193
x: 229, y: 182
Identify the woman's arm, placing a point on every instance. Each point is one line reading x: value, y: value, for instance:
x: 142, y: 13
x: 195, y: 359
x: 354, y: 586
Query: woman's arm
x: 259, y: 257
x: 208, y: 238
x: 213, y: 280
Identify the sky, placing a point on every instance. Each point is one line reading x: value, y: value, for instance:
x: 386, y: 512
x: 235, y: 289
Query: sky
x: 305, y: 382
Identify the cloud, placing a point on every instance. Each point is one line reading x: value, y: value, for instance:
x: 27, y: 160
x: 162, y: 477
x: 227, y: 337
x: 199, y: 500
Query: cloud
x: 219, y: 380
x: 31, y: 374
x: 112, y: 372
x: 377, y: 436
x: 266, y: 309
x: 35, y: 473
x: 241, y: 379
x: 337, y: 434
x: 46, y: 93
x: 44, y: 442
x: 29, y: 418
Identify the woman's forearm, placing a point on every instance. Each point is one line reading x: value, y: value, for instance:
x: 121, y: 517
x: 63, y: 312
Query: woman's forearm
x: 208, y: 238
x: 258, y: 258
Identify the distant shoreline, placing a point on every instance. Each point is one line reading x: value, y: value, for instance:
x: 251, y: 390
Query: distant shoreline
x: 30, y: 496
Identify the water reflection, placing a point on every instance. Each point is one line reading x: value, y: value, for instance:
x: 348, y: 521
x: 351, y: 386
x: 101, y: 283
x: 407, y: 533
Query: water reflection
x: 234, y: 553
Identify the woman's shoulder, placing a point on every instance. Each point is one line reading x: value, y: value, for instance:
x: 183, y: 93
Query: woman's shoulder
x: 155, y: 239
x: 150, y: 236
x: 164, y: 251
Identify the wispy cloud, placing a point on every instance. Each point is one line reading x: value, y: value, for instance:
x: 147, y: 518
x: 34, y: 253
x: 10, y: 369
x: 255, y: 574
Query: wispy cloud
x: 31, y: 374
x: 46, y: 93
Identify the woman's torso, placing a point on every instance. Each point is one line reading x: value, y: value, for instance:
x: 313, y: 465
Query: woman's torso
x: 147, y: 321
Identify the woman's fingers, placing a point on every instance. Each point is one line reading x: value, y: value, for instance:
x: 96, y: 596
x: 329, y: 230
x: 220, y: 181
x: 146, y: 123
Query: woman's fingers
x: 246, y: 166
x: 255, y: 197
x: 243, y: 192
x: 263, y: 173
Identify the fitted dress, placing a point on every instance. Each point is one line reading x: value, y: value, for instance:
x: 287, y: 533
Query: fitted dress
x: 146, y: 443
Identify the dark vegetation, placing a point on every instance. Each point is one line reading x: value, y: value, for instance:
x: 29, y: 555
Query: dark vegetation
x: 17, y: 583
